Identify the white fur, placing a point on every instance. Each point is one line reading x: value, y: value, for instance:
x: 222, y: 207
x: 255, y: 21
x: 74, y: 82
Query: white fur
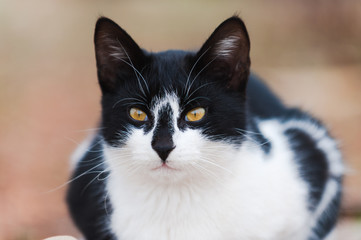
x: 210, y: 204
x: 173, y: 101
x: 329, y: 148
x: 117, y: 53
x: 214, y: 190
x: 79, y: 152
x: 226, y: 46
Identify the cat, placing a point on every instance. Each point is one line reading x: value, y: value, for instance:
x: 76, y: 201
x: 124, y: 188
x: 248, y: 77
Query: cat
x: 191, y: 145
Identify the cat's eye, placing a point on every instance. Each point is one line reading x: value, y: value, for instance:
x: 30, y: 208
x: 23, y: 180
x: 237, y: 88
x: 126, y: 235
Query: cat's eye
x: 138, y: 114
x: 195, y: 114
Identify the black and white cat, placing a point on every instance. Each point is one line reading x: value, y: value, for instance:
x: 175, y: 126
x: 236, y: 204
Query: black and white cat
x: 191, y: 146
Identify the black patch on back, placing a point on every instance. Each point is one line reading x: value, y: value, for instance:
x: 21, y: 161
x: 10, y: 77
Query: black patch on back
x: 86, y: 196
x: 313, y: 168
x: 312, y: 164
x: 329, y: 217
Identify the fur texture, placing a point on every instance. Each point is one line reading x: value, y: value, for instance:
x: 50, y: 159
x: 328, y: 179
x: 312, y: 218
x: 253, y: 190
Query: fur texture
x: 250, y: 168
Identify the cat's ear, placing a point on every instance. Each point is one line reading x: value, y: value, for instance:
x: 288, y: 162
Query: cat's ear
x: 117, y: 55
x: 225, y: 55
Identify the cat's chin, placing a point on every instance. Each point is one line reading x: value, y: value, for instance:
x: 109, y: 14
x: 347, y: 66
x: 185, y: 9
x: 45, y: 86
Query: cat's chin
x: 167, y: 172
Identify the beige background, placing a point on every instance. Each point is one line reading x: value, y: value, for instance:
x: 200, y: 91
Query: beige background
x: 309, y: 51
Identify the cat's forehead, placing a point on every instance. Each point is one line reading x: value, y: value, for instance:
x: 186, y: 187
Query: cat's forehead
x: 168, y: 70
x: 168, y: 99
x: 167, y: 105
x: 170, y: 56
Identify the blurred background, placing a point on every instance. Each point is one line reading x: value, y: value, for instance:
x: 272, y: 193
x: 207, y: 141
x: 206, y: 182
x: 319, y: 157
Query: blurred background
x: 309, y: 51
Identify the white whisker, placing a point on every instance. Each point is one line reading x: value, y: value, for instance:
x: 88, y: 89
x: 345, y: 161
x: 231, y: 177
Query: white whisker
x: 216, y: 165
x: 75, y: 178
x: 203, y: 85
x: 135, y: 70
x: 191, y: 71
x: 253, y: 140
x: 194, y: 79
x: 136, y: 100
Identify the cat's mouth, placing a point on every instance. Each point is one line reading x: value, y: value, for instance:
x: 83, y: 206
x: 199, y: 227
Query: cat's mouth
x: 164, y: 166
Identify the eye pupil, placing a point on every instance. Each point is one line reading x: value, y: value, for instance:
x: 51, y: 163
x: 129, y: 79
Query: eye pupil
x: 138, y: 114
x: 195, y: 114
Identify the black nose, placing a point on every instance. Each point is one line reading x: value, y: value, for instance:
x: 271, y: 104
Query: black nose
x: 163, y: 146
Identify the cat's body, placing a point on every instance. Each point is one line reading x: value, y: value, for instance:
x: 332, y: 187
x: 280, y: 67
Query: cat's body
x: 204, y: 157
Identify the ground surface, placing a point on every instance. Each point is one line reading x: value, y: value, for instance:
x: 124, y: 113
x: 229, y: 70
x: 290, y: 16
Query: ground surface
x: 308, y: 51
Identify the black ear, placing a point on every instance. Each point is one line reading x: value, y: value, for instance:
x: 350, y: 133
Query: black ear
x: 117, y: 55
x: 225, y: 55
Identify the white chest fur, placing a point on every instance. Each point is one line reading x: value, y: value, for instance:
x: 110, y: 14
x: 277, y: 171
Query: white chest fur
x: 261, y: 199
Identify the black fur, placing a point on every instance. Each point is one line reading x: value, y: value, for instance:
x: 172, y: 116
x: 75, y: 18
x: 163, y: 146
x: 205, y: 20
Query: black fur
x: 221, y: 84
x: 312, y: 163
x: 87, y: 198
x: 211, y: 84
x: 263, y: 103
x: 329, y: 217
x: 162, y: 141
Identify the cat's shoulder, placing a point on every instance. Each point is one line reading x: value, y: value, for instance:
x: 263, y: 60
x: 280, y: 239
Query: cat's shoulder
x: 307, y: 137
x: 303, y: 132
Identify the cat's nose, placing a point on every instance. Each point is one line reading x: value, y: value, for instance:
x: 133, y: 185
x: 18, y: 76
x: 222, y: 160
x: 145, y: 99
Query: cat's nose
x: 163, y: 147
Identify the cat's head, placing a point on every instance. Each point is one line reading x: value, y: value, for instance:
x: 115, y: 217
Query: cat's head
x: 172, y: 114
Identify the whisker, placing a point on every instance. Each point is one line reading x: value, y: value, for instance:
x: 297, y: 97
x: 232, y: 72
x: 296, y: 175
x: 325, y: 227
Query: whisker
x: 190, y: 73
x: 75, y: 178
x: 97, y: 178
x: 210, y: 173
x: 249, y: 132
x: 253, y: 140
x: 187, y: 93
x: 216, y: 165
x: 222, y: 182
x: 196, y: 98
x: 78, y: 143
x: 203, y: 85
x: 105, y: 203
x: 141, y: 97
x: 136, y: 100
x: 89, y: 162
x: 135, y: 70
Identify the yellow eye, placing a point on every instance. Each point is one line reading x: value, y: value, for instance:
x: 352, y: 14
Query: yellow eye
x: 138, y: 114
x: 195, y: 114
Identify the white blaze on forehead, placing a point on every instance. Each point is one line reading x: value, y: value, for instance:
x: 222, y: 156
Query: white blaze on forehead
x: 227, y: 46
x: 169, y: 99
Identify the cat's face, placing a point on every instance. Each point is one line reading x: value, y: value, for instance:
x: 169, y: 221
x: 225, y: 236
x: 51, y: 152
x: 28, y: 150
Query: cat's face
x: 174, y: 114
